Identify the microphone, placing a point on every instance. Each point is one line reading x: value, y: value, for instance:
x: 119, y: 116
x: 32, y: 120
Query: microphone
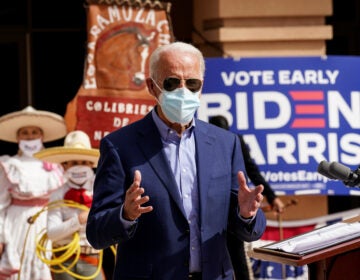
x: 338, y: 171
x: 342, y: 172
x: 323, y: 169
x: 345, y: 174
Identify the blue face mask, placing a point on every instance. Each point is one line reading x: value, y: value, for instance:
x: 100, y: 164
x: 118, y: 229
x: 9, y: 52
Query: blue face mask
x: 179, y: 105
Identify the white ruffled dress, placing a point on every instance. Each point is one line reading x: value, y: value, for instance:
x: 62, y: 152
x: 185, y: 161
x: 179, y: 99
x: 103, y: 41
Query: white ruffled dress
x: 25, y: 187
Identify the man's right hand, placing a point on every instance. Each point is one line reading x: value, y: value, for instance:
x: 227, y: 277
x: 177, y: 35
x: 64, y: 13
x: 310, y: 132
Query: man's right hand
x: 133, y: 200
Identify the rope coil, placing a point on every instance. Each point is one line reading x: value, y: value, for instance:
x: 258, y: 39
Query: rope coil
x: 55, y: 257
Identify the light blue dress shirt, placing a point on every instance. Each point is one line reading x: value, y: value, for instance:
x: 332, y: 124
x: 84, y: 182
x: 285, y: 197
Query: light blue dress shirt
x: 181, y: 154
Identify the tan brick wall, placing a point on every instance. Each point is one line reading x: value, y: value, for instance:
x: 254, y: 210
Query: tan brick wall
x: 245, y: 28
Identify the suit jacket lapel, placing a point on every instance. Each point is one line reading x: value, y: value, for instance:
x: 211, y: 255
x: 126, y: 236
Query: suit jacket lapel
x: 150, y: 143
x: 204, y: 148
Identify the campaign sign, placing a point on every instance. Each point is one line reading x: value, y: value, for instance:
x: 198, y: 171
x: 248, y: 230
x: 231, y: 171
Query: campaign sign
x: 293, y: 112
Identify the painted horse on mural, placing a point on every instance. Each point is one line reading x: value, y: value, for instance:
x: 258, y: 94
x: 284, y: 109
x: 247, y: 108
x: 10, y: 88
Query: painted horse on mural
x: 121, y: 63
x: 121, y: 57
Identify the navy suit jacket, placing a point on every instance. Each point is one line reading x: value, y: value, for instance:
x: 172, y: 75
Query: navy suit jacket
x: 157, y: 247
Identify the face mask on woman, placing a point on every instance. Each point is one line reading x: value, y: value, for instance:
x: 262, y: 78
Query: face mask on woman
x: 30, y: 147
x: 79, y: 174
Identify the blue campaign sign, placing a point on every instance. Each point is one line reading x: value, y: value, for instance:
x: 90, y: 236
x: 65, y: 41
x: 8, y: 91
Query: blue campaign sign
x: 294, y: 112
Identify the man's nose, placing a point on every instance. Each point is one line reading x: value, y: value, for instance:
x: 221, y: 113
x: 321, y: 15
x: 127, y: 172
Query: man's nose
x: 182, y: 83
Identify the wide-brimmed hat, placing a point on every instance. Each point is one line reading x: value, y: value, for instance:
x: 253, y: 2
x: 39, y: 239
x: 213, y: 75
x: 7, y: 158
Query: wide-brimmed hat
x: 77, y: 146
x: 52, y: 125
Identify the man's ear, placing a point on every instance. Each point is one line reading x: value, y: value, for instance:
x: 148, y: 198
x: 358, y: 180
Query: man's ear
x: 151, y: 87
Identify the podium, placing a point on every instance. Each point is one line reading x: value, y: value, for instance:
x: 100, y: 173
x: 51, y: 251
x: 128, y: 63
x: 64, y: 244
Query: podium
x: 332, y: 262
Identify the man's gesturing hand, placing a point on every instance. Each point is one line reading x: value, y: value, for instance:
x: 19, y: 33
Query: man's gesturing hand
x: 133, y: 200
x: 249, y: 200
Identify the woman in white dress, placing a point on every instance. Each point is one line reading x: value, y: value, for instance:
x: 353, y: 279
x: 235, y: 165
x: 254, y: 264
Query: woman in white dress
x: 25, y: 187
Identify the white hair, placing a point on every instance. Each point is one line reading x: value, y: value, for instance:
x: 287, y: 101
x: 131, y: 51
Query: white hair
x: 176, y: 47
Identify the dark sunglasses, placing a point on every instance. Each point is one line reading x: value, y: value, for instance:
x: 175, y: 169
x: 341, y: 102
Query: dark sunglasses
x: 171, y: 84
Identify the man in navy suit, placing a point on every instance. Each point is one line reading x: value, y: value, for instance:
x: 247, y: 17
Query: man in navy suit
x: 169, y: 187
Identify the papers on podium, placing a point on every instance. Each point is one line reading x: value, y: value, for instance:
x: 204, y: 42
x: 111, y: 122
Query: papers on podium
x: 318, y: 239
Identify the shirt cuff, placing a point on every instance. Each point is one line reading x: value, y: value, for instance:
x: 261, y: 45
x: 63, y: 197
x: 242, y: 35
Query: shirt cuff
x: 127, y: 224
x: 245, y: 220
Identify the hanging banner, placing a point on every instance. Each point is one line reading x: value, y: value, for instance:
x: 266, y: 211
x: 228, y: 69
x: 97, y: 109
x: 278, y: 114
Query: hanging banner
x: 293, y: 112
x: 121, y: 37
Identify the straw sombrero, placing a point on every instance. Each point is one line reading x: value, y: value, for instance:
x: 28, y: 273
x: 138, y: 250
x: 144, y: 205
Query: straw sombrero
x: 53, y: 125
x: 77, y: 146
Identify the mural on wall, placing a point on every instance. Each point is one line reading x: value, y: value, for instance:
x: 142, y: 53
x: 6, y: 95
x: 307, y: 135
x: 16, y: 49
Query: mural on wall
x: 121, y: 35
x: 293, y: 112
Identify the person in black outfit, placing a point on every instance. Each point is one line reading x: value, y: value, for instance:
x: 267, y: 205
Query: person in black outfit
x: 236, y: 247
